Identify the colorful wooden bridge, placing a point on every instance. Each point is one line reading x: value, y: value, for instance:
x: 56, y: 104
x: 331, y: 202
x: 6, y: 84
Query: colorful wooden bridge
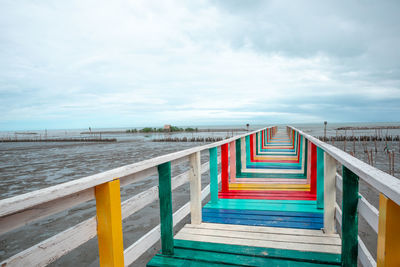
x: 273, y: 203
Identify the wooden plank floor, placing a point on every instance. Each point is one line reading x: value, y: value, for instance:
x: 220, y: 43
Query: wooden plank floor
x: 267, y: 220
x: 210, y: 244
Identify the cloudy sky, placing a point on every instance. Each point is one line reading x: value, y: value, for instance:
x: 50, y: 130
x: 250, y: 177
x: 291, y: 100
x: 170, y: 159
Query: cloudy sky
x: 74, y: 64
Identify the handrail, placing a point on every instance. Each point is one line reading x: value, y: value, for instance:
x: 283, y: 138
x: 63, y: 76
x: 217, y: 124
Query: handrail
x: 384, y: 222
x: 28, y: 200
x: 383, y: 182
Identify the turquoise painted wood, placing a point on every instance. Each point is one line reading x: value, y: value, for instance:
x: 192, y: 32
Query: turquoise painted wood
x: 272, y: 205
x: 238, y: 157
x: 316, y: 257
x: 349, y: 218
x: 214, y: 174
x: 320, y: 178
x: 164, y: 193
x: 192, y: 253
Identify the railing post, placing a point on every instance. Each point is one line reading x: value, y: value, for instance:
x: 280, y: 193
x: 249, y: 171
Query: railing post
x: 388, y: 253
x: 329, y: 193
x: 349, y: 218
x: 243, y: 152
x: 224, y: 168
x: 238, y: 156
x: 109, y: 224
x: 313, y: 169
x: 320, y: 178
x: 214, y: 174
x: 232, y: 161
x: 164, y: 194
x: 195, y: 188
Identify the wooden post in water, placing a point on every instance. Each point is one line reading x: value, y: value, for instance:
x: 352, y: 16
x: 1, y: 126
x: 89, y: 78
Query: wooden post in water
x: 329, y: 193
x: 349, y: 218
x: 109, y: 224
x: 195, y: 188
x: 224, y: 168
x: 164, y: 194
x: 214, y: 174
x: 388, y: 252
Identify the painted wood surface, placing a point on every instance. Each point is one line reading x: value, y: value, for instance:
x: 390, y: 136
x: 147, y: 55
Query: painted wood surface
x: 388, y: 253
x: 213, y: 174
x: 364, y: 255
x: 134, y: 251
x: 320, y: 178
x: 329, y: 194
x: 195, y: 188
x: 164, y: 182
x: 224, y: 168
x: 381, y: 181
x: 28, y: 200
x: 109, y: 224
x: 349, y: 218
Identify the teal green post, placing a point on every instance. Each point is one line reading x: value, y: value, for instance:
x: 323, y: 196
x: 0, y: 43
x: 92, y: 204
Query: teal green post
x: 349, y: 218
x: 214, y: 174
x: 238, y: 157
x: 320, y: 178
x: 164, y: 194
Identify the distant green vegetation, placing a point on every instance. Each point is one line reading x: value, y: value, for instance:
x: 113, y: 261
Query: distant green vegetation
x: 161, y: 130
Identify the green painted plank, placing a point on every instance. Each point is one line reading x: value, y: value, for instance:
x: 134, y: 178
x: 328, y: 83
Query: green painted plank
x: 165, y: 261
x: 214, y: 174
x: 349, y: 218
x: 208, y: 257
x: 320, y: 178
x: 164, y: 194
x: 316, y: 257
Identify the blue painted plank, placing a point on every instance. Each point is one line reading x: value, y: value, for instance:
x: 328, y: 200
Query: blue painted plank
x: 262, y: 212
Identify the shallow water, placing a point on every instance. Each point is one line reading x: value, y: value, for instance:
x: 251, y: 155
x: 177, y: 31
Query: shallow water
x: 26, y: 167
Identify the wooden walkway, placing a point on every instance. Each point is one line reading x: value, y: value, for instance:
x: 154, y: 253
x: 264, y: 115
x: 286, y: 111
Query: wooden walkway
x: 266, y: 212
x: 273, y: 203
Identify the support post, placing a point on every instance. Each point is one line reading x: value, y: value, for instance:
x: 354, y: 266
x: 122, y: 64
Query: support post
x: 232, y: 161
x: 320, y: 178
x: 313, y: 169
x: 164, y: 194
x: 243, y: 152
x: 214, y: 174
x: 329, y: 193
x: 238, y: 157
x: 388, y: 233
x: 349, y: 218
x: 224, y: 168
x: 109, y: 224
x: 195, y: 188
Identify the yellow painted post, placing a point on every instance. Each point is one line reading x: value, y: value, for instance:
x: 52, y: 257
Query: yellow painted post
x: 109, y: 224
x: 388, y: 233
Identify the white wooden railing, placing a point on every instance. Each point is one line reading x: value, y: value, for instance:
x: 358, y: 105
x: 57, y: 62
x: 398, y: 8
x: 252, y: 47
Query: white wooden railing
x: 389, y: 189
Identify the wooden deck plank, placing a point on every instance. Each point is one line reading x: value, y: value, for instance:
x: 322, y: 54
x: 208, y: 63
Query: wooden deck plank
x: 263, y: 236
x: 258, y: 229
x: 316, y: 257
x: 336, y: 249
